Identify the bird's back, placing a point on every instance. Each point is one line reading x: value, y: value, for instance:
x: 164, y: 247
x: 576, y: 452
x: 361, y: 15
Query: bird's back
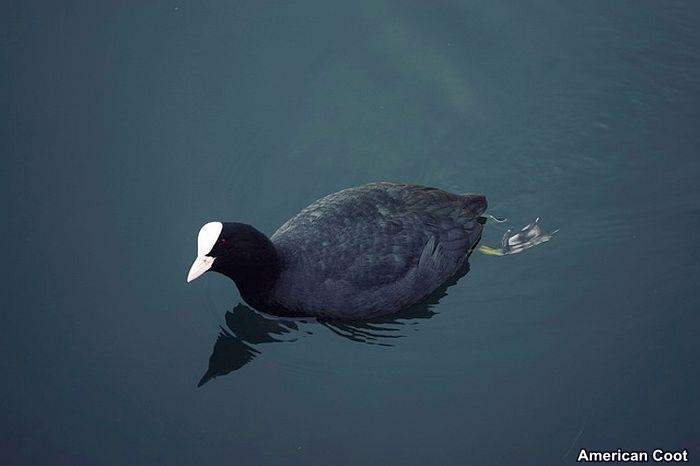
x: 371, y: 250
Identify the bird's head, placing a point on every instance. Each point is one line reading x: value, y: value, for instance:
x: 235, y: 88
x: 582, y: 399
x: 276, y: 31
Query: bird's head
x: 232, y: 249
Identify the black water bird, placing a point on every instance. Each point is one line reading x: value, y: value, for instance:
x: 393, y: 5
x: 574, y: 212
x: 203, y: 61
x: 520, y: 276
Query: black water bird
x: 356, y: 254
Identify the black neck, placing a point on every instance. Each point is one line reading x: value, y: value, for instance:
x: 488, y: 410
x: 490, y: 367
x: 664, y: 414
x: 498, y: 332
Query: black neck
x: 253, y: 265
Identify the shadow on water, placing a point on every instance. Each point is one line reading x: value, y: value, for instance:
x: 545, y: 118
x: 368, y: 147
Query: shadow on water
x: 235, y: 345
x: 238, y: 343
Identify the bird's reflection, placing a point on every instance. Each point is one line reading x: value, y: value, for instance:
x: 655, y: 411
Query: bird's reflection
x: 239, y: 342
x: 236, y: 344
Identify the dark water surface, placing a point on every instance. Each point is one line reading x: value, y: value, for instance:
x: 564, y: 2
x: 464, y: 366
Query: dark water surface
x: 129, y: 124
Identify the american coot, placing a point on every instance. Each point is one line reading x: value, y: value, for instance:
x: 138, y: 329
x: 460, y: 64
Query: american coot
x: 359, y: 253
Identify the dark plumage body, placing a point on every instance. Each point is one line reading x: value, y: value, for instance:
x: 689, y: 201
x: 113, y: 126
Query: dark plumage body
x: 357, y: 253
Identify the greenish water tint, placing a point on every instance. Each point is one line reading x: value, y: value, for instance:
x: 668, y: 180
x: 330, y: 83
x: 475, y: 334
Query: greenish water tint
x: 128, y: 126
